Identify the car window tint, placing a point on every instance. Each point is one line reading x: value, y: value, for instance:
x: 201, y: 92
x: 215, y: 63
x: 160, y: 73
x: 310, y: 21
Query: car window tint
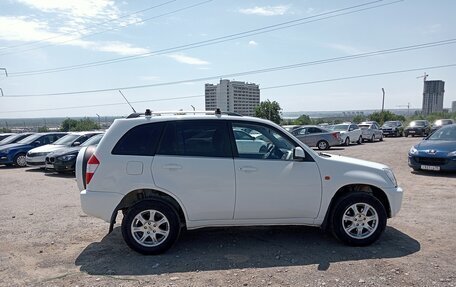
x: 268, y: 144
x: 196, y: 138
x: 140, y: 140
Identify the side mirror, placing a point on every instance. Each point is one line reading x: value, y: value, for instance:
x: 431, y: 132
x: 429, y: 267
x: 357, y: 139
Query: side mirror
x: 76, y: 143
x: 298, y: 153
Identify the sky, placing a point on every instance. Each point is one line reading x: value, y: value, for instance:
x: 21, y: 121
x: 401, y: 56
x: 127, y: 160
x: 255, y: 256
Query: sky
x: 171, y: 48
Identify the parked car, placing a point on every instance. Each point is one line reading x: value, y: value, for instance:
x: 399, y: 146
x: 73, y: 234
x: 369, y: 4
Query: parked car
x: 349, y: 133
x: 248, y: 143
x: 436, y: 152
x: 371, y: 132
x: 418, y: 127
x: 290, y: 127
x: 392, y: 128
x: 64, y: 159
x: 37, y: 156
x: 14, y: 154
x: 315, y: 136
x: 14, y: 138
x: 370, y: 123
x: 164, y: 177
x: 440, y: 123
x: 5, y: 135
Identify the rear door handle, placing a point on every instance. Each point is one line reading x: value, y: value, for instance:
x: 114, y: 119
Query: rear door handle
x: 172, y: 166
x: 248, y: 169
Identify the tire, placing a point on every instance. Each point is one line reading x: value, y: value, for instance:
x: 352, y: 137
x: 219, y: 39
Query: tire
x: 360, y: 140
x: 321, y: 145
x: 19, y: 160
x: 347, y: 141
x: 370, y: 224
x: 381, y: 138
x: 406, y: 135
x: 162, y: 229
x: 372, y: 139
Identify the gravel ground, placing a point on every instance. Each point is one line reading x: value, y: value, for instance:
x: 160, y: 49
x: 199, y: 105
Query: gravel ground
x: 46, y: 240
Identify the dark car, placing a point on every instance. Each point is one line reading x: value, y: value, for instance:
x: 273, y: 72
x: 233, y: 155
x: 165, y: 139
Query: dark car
x: 418, y: 128
x: 14, y: 154
x: 436, y: 152
x: 63, y: 160
x: 392, y: 128
x: 14, y: 138
x: 440, y: 123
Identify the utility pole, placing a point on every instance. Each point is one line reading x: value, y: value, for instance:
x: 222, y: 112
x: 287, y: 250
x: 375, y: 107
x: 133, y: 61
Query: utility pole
x: 383, y: 100
x: 99, y: 124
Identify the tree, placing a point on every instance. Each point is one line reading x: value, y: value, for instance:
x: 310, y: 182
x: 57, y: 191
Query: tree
x: 384, y: 116
x: 359, y: 118
x: 304, y: 120
x: 68, y: 125
x: 270, y: 111
x: 43, y: 129
x: 85, y: 124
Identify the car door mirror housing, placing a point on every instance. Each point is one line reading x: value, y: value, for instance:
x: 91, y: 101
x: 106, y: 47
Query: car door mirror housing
x: 298, y: 153
x: 76, y: 143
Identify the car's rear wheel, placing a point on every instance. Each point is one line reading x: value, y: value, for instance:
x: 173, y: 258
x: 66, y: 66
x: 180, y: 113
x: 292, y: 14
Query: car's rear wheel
x: 150, y: 227
x: 347, y: 141
x: 322, y: 145
x: 19, y: 160
x: 372, y: 138
x: 358, y: 219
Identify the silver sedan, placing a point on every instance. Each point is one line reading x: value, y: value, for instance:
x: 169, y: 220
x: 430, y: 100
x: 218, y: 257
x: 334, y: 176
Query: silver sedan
x: 315, y: 136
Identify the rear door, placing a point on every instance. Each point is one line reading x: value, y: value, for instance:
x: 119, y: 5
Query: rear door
x: 194, y: 162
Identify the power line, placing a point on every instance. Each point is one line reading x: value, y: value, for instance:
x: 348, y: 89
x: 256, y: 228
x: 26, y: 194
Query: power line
x: 265, y: 70
x: 88, y: 27
x: 213, y: 41
x: 265, y: 88
x: 112, y: 29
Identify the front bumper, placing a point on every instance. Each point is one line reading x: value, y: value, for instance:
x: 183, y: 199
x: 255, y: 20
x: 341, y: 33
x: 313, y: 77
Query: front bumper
x: 4, y: 159
x: 395, y: 195
x: 100, y: 204
x: 432, y: 163
x: 35, y: 160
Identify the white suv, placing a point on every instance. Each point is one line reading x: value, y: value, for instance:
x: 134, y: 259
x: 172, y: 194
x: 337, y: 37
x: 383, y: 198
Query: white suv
x: 168, y: 172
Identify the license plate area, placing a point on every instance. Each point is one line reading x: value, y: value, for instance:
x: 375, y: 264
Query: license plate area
x: 430, y: 167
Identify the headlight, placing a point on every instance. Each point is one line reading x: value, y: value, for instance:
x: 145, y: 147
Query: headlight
x: 413, y: 151
x: 390, y: 175
x: 453, y: 153
x: 66, y: 157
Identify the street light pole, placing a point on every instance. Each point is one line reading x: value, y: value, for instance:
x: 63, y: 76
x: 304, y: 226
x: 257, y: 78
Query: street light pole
x: 383, y: 100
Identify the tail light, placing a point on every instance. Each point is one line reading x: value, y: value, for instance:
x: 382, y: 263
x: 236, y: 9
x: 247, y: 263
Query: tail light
x: 92, y: 166
x: 336, y: 135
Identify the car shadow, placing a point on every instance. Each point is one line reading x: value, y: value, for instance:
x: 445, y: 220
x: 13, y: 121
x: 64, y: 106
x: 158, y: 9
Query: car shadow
x: 60, y: 174
x: 234, y: 248
x: 434, y: 173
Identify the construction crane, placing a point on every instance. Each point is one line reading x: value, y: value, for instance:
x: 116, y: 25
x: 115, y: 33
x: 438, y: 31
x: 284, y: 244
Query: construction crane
x: 423, y: 76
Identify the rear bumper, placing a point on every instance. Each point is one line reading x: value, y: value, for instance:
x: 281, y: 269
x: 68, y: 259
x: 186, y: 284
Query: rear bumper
x: 100, y: 204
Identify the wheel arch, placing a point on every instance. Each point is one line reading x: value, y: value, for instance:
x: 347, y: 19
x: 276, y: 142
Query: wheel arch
x: 137, y: 195
x: 378, y: 193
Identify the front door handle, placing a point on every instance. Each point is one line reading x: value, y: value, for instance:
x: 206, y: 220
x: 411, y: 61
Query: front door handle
x: 248, y: 169
x: 172, y: 166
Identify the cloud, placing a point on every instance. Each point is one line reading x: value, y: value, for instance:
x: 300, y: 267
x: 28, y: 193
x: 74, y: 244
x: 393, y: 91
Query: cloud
x: 181, y: 58
x: 266, y: 10
x: 347, y: 49
x: 24, y: 29
x: 253, y: 43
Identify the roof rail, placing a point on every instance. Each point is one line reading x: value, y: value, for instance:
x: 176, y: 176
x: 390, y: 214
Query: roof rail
x: 159, y: 113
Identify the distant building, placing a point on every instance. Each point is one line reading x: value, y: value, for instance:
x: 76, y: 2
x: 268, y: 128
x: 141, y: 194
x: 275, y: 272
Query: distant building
x: 233, y: 96
x: 433, y: 96
x: 453, y: 106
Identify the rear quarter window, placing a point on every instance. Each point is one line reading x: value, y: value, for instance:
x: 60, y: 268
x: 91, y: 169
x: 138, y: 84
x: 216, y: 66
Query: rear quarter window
x: 140, y: 140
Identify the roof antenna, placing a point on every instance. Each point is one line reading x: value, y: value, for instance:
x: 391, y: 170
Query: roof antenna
x: 127, y: 101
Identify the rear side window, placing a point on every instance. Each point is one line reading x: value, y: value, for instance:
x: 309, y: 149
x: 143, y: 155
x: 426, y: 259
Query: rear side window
x: 140, y: 140
x: 196, y: 138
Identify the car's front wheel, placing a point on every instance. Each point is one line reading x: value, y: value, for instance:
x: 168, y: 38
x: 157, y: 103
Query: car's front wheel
x: 19, y: 160
x: 150, y: 227
x: 358, y: 219
x: 347, y: 141
x: 360, y: 140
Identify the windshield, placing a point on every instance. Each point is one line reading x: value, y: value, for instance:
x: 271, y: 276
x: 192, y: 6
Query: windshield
x: 93, y: 140
x: 418, y: 123
x: 444, y: 134
x: 363, y: 126
x: 30, y: 139
x: 66, y: 140
x: 340, y: 128
x: 442, y: 122
x: 391, y: 124
x: 13, y: 138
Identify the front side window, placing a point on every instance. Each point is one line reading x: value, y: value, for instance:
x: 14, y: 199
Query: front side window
x: 268, y: 143
x: 196, y: 138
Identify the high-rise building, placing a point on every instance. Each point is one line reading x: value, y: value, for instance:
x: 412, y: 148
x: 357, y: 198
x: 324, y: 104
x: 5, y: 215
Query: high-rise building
x: 453, y: 106
x: 233, y: 96
x: 433, y: 96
